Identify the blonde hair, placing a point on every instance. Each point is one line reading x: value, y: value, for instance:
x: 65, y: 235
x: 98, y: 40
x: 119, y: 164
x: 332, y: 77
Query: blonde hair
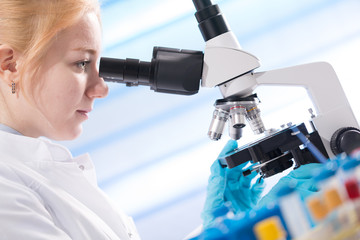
x: 29, y: 27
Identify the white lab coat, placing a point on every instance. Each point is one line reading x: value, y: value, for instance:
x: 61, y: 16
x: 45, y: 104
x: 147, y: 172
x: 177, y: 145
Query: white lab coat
x: 45, y: 193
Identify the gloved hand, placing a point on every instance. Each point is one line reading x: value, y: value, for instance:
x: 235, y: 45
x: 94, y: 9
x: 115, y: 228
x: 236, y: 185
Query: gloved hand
x: 230, y: 185
x: 301, y: 178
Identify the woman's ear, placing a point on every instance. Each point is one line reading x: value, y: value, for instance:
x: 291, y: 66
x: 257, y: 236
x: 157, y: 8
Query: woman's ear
x: 7, y: 59
x: 8, y: 63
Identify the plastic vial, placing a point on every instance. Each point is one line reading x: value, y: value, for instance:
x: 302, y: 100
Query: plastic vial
x: 332, y: 199
x: 269, y: 229
x: 317, y: 208
x: 352, y: 189
x: 350, y: 180
x: 351, y: 185
x: 293, y: 212
x: 330, y: 196
x: 330, y: 189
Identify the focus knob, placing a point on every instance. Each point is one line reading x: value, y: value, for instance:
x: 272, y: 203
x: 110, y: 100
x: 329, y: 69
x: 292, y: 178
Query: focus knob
x: 345, y: 140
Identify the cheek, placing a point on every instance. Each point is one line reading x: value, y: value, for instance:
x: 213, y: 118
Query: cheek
x: 59, y: 96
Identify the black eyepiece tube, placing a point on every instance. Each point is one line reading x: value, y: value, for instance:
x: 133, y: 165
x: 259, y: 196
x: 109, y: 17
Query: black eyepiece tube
x: 171, y: 70
x: 132, y: 72
x: 210, y: 19
x: 200, y: 4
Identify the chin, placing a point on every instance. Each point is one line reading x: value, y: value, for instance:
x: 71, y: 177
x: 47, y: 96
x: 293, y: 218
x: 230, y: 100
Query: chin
x: 67, y: 134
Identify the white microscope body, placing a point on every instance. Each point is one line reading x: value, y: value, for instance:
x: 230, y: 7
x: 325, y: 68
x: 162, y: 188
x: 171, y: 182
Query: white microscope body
x: 232, y: 70
x: 223, y: 64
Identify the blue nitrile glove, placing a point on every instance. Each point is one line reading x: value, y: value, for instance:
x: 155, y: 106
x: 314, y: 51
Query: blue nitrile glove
x: 230, y: 185
x: 301, y: 177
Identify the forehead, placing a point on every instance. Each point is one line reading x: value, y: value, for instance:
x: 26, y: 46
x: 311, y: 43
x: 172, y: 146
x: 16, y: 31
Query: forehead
x: 84, y: 34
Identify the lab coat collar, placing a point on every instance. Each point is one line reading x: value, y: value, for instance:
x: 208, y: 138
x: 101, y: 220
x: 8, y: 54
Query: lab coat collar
x: 33, y: 149
x: 5, y: 128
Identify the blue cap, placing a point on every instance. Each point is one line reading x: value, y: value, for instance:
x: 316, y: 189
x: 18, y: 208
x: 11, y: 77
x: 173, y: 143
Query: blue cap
x: 351, y: 164
x: 333, y: 164
x: 324, y: 174
x: 356, y: 153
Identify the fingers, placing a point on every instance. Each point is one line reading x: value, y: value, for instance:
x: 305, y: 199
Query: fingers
x: 271, y: 196
x: 216, y: 169
x: 305, y: 171
x: 307, y: 184
x: 235, y: 174
x: 258, y: 186
x: 246, y: 181
x: 230, y: 146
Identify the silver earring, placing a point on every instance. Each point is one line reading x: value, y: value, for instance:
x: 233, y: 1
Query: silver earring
x: 13, y: 90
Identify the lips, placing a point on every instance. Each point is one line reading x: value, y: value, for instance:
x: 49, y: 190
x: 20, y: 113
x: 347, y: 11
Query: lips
x: 84, y: 112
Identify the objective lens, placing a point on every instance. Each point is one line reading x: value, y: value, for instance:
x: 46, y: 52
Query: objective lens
x: 237, y: 116
x: 255, y: 121
x: 217, y: 123
x: 235, y: 133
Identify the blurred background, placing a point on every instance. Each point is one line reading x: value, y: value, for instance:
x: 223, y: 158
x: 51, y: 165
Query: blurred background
x: 151, y: 150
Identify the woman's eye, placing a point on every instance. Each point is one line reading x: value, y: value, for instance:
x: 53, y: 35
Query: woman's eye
x: 82, y: 65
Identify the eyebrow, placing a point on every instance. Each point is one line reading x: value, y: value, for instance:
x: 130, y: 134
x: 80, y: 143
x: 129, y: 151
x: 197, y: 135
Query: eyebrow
x: 83, y: 49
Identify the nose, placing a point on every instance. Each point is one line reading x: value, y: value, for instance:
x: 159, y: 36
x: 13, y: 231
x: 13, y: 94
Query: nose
x: 97, y: 88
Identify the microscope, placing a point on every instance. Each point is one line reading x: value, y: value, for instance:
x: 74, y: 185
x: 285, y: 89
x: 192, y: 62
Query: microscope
x: 333, y: 128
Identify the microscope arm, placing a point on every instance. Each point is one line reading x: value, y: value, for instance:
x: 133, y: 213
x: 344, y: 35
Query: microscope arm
x: 335, y: 127
x: 323, y: 87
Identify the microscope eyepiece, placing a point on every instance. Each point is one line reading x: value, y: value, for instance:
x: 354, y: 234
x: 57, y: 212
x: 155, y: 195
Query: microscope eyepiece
x: 200, y: 4
x: 132, y: 72
x: 211, y: 21
x: 171, y: 70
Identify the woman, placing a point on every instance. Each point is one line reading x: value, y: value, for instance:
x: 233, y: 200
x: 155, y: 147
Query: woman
x: 48, y: 84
